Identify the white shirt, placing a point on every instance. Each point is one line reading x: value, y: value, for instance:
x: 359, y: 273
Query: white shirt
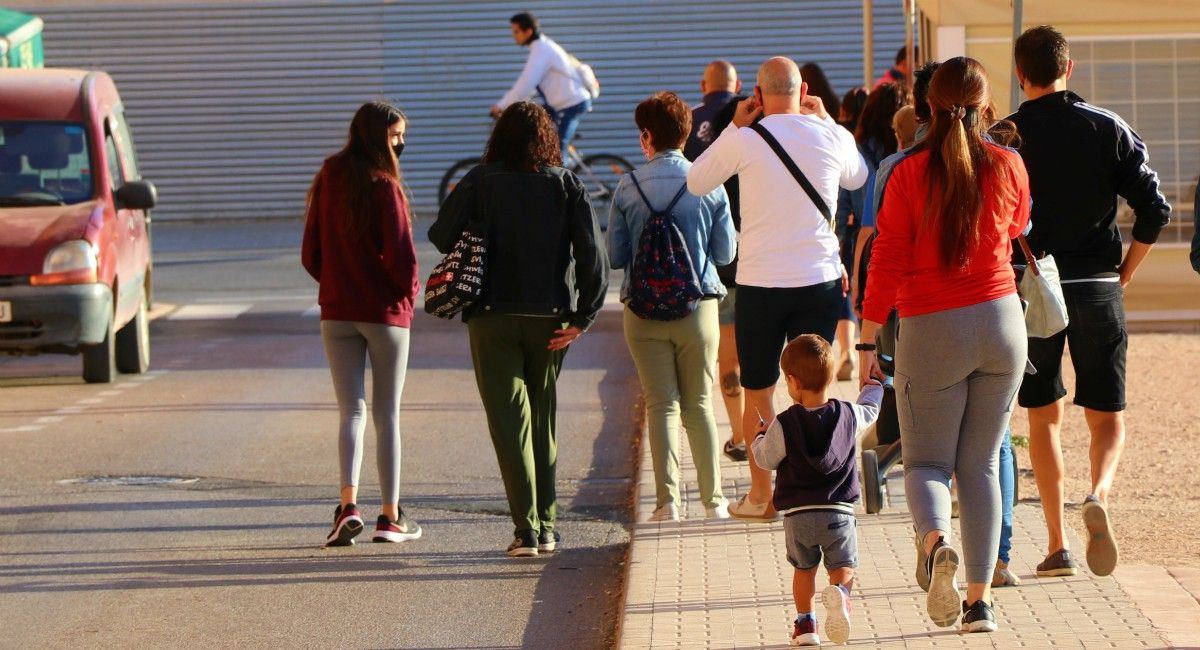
x: 551, y: 68
x: 784, y: 239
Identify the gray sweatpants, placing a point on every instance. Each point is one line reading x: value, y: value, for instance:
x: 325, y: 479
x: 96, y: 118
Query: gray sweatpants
x: 957, y: 373
x: 347, y: 346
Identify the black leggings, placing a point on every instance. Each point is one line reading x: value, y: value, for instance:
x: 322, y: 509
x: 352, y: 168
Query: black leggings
x: 767, y: 318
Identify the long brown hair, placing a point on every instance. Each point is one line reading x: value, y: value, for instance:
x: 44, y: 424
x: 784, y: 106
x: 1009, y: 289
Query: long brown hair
x: 960, y: 161
x: 875, y: 123
x: 367, y: 156
x: 524, y: 138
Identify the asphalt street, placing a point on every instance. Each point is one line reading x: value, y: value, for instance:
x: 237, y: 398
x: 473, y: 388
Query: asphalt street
x: 238, y: 417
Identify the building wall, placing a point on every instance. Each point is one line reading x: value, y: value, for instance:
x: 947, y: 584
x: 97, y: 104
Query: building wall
x: 235, y: 104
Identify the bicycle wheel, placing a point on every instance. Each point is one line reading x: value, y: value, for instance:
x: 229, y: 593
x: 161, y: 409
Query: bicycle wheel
x: 600, y: 174
x: 453, y: 175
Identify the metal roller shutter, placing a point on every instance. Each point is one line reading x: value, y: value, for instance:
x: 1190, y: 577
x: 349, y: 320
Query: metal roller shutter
x: 234, y: 105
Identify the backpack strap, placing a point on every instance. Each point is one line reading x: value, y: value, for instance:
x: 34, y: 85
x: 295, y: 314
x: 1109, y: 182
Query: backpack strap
x: 670, y: 206
x: 796, y: 173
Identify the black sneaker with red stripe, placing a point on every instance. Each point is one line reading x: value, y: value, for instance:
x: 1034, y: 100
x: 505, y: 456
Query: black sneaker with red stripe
x: 347, y: 524
x: 401, y: 530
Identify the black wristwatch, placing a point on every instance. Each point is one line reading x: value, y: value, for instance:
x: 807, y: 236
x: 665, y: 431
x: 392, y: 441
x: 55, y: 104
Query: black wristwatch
x: 865, y: 347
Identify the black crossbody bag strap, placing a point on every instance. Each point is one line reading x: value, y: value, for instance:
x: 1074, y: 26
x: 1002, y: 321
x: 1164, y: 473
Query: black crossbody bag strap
x: 796, y: 173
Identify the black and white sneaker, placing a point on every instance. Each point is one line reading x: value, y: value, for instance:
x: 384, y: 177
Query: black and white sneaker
x: 525, y: 544
x: 944, y: 599
x: 548, y: 541
x: 401, y: 530
x: 978, y: 617
x: 347, y: 524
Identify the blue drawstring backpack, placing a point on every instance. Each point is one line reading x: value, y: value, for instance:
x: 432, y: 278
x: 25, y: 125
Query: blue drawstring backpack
x: 663, y: 283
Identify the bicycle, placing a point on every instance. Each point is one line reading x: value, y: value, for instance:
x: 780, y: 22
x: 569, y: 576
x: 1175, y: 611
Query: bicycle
x: 599, y: 173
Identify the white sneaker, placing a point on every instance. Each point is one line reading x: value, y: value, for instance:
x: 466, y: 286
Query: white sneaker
x: 719, y: 512
x: 669, y: 512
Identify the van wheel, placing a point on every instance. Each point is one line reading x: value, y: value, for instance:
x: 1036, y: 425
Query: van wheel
x: 99, y: 361
x: 133, y: 342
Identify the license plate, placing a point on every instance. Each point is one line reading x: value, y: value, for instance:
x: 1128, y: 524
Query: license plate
x: 5, y: 312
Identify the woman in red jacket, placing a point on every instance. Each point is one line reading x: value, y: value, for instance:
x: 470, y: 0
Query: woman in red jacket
x: 941, y: 258
x: 358, y: 246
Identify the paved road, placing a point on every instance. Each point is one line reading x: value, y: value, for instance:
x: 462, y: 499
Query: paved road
x: 239, y: 402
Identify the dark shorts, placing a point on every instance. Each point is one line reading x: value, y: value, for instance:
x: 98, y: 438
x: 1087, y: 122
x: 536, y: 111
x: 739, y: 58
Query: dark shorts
x: 767, y: 318
x: 814, y: 534
x: 1098, y: 342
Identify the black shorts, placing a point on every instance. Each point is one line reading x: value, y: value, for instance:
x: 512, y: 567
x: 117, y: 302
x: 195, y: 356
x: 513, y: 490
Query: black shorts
x: 1098, y: 342
x: 765, y: 319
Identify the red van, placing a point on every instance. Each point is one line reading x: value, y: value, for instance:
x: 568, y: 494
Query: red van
x: 75, y: 266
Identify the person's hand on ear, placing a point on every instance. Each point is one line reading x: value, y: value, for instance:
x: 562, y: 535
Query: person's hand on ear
x: 747, y: 111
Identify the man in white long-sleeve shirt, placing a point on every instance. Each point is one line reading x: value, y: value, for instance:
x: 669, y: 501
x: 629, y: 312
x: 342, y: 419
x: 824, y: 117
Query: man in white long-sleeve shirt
x: 553, y: 74
x: 790, y: 276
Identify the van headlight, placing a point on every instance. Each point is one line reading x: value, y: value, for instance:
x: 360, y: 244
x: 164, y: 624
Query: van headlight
x: 73, y: 262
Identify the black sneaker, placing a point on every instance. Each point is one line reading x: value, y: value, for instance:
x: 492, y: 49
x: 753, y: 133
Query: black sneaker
x: 347, y: 524
x: 401, y: 530
x: 548, y: 541
x: 736, y: 453
x: 978, y: 617
x: 525, y: 544
x: 1058, y: 563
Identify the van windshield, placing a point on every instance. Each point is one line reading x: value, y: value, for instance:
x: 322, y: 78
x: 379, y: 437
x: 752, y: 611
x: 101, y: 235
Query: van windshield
x: 44, y: 163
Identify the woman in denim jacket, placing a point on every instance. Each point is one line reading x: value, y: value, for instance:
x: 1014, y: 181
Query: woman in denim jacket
x: 676, y: 360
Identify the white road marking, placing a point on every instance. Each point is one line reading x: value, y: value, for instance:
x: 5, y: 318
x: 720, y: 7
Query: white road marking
x: 91, y: 400
x: 69, y: 410
x: 127, y: 385
x: 108, y: 393
x: 210, y: 312
x: 22, y: 429
x: 154, y: 373
x: 50, y: 419
x: 252, y: 298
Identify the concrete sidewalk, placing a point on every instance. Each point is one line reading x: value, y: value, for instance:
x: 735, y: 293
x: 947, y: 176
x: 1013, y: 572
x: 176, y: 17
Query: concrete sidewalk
x: 727, y: 584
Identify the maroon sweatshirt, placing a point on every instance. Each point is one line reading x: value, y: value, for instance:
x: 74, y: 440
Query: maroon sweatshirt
x: 370, y: 281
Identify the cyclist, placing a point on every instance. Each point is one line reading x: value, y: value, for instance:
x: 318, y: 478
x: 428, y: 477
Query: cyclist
x: 553, y: 74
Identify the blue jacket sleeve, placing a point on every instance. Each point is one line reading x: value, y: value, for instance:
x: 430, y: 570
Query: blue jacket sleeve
x: 722, y: 245
x: 619, y: 245
x: 1138, y: 184
x: 1196, y: 235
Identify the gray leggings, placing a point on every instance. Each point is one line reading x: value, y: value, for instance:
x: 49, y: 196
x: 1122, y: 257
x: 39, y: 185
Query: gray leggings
x: 957, y: 372
x: 347, y: 346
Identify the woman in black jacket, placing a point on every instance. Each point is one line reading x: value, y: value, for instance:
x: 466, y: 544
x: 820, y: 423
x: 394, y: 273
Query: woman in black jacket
x: 545, y: 282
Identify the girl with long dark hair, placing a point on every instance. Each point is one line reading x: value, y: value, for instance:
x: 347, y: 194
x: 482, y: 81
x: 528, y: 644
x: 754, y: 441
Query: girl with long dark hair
x: 941, y: 257
x: 545, y: 282
x: 358, y: 246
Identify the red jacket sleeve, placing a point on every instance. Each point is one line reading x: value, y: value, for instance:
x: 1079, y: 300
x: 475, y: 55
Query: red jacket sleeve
x: 891, y: 254
x: 310, y: 249
x: 1020, y: 178
x: 398, y: 250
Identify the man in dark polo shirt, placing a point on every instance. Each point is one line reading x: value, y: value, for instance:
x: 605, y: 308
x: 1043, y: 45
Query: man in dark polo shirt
x: 1080, y: 159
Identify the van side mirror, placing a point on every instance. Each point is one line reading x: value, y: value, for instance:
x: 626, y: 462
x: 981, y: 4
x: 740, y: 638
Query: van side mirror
x: 137, y: 195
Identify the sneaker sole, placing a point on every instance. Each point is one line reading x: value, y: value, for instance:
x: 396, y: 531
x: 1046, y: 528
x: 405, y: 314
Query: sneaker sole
x: 837, y: 618
x: 748, y: 517
x: 524, y: 551
x: 944, y: 601
x: 383, y: 536
x: 547, y: 548
x: 345, y: 533
x: 979, y: 626
x: 1061, y: 572
x: 1102, y: 553
x: 806, y: 640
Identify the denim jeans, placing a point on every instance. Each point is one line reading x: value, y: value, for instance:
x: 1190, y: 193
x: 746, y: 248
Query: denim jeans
x: 1007, y: 493
x: 567, y: 121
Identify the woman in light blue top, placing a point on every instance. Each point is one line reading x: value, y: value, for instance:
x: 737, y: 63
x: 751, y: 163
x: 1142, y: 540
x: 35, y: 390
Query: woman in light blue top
x: 675, y: 359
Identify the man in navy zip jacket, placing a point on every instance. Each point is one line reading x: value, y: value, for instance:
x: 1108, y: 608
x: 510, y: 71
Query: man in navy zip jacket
x: 1080, y: 158
x: 1196, y: 234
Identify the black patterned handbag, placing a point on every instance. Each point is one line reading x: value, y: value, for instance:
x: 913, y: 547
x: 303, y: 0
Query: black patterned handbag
x: 457, y: 281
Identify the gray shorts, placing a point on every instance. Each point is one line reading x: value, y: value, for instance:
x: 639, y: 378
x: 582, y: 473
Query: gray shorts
x: 725, y: 311
x: 811, y: 534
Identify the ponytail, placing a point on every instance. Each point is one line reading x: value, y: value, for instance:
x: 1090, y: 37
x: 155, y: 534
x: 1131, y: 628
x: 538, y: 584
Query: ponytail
x: 960, y: 161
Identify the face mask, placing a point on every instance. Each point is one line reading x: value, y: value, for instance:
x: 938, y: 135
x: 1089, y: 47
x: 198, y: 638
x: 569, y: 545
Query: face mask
x: 398, y: 149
